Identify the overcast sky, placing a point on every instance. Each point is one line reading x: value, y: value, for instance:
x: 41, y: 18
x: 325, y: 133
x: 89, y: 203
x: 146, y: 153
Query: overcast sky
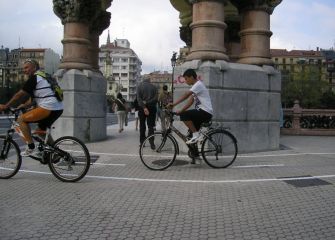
x: 152, y: 27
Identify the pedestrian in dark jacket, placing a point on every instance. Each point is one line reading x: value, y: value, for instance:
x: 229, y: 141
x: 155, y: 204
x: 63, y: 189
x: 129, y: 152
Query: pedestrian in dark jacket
x: 147, y: 96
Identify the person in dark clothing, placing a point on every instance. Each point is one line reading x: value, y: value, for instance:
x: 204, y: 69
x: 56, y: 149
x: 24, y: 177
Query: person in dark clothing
x: 120, y: 108
x: 147, y: 96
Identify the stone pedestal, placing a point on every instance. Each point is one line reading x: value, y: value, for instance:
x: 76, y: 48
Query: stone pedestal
x: 84, y: 113
x: 245, y: 98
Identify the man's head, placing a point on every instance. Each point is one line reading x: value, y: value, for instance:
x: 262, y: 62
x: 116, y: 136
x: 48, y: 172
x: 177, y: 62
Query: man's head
x: 30, y: 66
x: 165, y: 88
x: 190, y: 76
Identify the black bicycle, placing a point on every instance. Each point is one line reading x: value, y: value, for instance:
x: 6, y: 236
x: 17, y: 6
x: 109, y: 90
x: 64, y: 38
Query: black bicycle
x: 68, y: 158
x: 218, y: 147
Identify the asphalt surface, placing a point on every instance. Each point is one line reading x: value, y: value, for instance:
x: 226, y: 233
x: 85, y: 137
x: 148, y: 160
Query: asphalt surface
x: 284, y: 194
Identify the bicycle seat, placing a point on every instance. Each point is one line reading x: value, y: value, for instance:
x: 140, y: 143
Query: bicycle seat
x: 206, y: 124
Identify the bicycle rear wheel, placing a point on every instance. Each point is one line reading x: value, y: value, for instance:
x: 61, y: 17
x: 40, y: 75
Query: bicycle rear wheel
x: 70, y: 160
x: 10, y: 158
x: 158, y: 152
x: 219, y: 149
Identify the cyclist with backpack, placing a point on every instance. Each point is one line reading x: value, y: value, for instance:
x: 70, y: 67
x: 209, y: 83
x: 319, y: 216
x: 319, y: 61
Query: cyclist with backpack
x: 48, y: 105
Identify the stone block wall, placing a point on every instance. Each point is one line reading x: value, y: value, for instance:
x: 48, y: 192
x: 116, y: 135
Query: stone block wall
x: 245, y: 98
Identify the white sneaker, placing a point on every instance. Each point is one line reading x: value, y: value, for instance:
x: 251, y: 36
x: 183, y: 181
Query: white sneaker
x: 31, y: 152
x: 194, y: 139
x: 27, y: 152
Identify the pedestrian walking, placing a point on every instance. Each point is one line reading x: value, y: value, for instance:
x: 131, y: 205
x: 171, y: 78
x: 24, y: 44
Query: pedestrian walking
x: 120, y: 108
x: 147, y: 101
x: 136, y: 109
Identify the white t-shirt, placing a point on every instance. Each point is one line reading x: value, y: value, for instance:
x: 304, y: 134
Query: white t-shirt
x: 43, y: 89
x: 201, y: 97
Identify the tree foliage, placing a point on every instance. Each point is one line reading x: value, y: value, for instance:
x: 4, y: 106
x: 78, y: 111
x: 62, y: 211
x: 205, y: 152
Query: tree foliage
x: 308, y: 88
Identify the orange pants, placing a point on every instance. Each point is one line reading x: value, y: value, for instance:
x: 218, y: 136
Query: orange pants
x: 35, y: 115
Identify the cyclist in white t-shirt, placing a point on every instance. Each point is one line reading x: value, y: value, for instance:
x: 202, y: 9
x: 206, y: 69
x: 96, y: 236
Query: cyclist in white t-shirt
x: 48, y: 109
x: 203, y: 111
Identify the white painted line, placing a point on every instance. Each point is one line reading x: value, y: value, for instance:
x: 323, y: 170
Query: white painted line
x: 259, y: 166
x: 194, y: 181
x: 282, y: 155
x: 210, y: 181
x: 238, y: 156
x: 110, y: 164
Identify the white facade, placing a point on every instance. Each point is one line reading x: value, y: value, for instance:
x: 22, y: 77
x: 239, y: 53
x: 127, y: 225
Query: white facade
x: 121, y: 66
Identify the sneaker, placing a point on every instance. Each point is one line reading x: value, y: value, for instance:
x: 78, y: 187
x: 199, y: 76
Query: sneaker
x: 27, y: 152
x: 193, y: 140
x: 31, y: 153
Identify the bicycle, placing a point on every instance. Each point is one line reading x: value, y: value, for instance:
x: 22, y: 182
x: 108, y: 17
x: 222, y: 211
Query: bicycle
x: 218, y: 146
x: 68, y: 158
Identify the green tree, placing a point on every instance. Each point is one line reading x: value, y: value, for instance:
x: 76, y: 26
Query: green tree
x: 305, y: 86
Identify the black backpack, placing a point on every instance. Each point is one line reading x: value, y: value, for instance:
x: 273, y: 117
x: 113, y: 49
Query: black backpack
x: 58, y: 91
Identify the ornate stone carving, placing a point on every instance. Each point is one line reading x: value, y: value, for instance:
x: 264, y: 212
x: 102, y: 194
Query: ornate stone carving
x: 101, y: 22
x: 186, y: 35
x: 197, y: 1
x: 76, y: 10
x: 266, y: 5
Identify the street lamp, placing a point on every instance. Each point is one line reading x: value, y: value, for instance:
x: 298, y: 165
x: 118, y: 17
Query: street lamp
x: 173, y: 64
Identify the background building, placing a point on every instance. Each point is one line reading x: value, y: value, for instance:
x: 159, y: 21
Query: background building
x: 160, y: 79
x: 11, y: 63
x: 291, y: 63
x: 121, y: 67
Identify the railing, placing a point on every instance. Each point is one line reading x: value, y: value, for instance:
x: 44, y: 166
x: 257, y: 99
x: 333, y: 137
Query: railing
x: 299, y: 121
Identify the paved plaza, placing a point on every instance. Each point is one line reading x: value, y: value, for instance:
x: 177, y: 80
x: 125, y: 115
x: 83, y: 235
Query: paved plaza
x: 284, y: 194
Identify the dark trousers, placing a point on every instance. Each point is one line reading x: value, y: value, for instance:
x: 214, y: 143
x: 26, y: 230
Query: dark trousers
x: 149, y: 120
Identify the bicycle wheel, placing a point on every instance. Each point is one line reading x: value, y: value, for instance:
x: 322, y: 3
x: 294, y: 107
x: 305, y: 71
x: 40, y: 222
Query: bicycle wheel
x: 10, y: 158
x: 157, y: 152
x: 70, y: 160
x: 219, y: 149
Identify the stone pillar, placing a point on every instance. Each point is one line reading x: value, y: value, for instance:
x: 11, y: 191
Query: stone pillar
x: 184, y: 7
x: 232, y: 38
x: 97, y: 27
x: 208, y: 30
x: 84, y: 113
x: 255, y: 30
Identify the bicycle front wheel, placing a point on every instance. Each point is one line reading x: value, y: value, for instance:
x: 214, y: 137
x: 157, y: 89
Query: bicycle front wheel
x: 219, y: 149
x: 70, y: 160
x: 10, y: 158
x: 158, y: 152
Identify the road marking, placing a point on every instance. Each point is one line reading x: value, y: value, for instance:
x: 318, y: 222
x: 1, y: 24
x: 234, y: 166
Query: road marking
x: 238, y: 156
x: 259, y: 166
x: 193, y: 181
x: 110, y: 164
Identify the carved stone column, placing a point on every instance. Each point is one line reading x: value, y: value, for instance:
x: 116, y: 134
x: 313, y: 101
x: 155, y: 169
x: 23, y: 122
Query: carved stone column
x: 84, y: 86
x: 184, y: 7
x: 208, y: 30
x: 76, y: 16
x: 96, y: 28
x: 255, y: 30
x: 232, y: 37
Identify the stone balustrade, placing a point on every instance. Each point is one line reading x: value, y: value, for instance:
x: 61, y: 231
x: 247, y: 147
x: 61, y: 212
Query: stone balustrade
x: 299, y: 121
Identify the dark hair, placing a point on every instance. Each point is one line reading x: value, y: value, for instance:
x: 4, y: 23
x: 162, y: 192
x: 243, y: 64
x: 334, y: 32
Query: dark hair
x: 165, y: 88
x: 119, y: 95
x: 33, y: 62
x: 190, y: 73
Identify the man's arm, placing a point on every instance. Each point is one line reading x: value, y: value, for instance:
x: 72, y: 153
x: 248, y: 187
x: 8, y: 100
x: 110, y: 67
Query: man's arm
x: 140, y: 96
x: 185, y: 96
x: 14, y: 100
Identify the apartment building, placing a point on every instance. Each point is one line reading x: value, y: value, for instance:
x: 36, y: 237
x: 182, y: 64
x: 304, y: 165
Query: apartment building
x: 121, y: 67
x: 11, y: 62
